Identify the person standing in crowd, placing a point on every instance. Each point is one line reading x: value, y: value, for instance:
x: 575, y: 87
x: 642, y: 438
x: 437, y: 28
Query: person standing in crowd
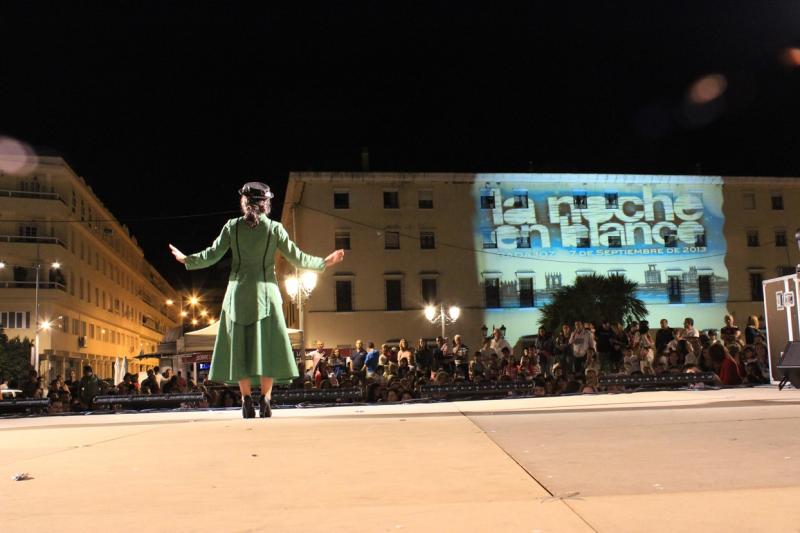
x: 498, y: 342
x: 487, y: 350
x: 316, y: 356
x: 440, y: 351
x: 372, y: 359
x: 355, y: 363
x: 603, y: 341
x: 664, y: 336
x: 336, y: 363
x: 404, y: 352
x: 181, y: 382
x: 730, y: 333
x: 460, y: 356
x: 688, y: 328
x: 88, y: 388
x: 752, y: 331
x: 724, y: 365
x: 543, y: 350
x: 423, y: 356
x: 563, y: 349
x: 580, y: 341
x: 150, y: 383
x: 159, y: 377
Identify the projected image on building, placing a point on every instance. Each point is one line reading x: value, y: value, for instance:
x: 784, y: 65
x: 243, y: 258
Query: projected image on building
x: 539, y: 232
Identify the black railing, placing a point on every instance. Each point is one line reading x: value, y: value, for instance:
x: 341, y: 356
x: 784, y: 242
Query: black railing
x: 33, y: 194
x: 32, y: 240
x: 32, y: 285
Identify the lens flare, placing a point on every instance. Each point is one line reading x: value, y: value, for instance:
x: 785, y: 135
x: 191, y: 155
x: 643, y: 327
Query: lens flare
x: 16, y: 157
x: 707, y: 88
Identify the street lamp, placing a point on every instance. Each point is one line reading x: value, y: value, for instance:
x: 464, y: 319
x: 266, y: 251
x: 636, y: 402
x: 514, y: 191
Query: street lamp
x: 435, y: 315
x: 46, y: 325
x: 299, y: 288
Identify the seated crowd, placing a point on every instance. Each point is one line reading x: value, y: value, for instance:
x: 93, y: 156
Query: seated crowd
x: 568, y: 362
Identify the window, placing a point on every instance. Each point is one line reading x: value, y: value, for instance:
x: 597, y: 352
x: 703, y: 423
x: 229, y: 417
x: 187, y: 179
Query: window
x: 429, y: 290
x: 88, y: 291
x: 28, y: 231
x: 580, y: 200
x: 490, y: 239
x: 491, y: 287
x: 520, y: 199
x: 427, y: 240
x: 671, y: 238
x: 65, y: 324
x: 583, y: 242
x: 91, y: 331
x: 704, y: 286
x: 487, y: 200
x: 752, y: 238
x: 81, y: 289
x: 780, y: 237
x: 74, y: 201
x: 612, y: 200
x: 674, y: 293
x: 425, y: 199
x: 394, y: 300
x: 341, y: 240
x: 777, y: 201
x: 524, y: 241
x: 614, y: 241
x: 344, y: 295
x: 526, y: 292
x: 391, y: 199
x: 341, y: 200
x: 392, y: 240
x: 749, y: 200
x: 786, y: 270
x: 700, y: 239
x: 756, y: 289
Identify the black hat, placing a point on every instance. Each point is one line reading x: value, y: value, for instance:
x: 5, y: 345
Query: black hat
x: 255, y: 190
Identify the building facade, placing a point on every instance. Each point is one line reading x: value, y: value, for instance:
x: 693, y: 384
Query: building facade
x: 499, y: 245
x: 102, y: 300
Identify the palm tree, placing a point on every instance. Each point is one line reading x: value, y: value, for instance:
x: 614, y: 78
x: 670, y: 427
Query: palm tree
x: 594, y: 298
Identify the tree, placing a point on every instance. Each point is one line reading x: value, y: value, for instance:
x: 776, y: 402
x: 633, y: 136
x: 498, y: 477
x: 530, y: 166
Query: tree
x: 14, y: 358
x: 594, y: 299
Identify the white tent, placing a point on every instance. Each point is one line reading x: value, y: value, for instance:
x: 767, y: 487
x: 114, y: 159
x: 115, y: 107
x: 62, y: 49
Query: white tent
x: 203, y: 339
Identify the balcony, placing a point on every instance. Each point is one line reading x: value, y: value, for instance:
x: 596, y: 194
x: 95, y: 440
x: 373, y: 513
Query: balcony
x: 32, y: 194
x: 32, y: 285
x: 32, y: 240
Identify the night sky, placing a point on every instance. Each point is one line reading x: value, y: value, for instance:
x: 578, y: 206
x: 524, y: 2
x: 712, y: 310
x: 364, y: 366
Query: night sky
x: 168, y: 107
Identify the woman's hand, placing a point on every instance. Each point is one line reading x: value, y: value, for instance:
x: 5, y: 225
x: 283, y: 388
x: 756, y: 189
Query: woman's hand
x: 332, y: 259
x: 179, y: 256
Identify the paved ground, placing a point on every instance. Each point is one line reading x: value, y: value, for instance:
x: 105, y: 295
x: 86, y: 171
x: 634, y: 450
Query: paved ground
x: 662, y: 461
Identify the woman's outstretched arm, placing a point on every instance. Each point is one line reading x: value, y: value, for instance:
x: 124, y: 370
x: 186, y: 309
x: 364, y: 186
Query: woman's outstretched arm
x: 300, y: 259
x: 207, y: 257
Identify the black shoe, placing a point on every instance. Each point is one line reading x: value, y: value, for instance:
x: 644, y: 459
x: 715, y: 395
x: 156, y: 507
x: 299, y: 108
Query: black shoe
x: 264, y: 409
x: 247, y: 407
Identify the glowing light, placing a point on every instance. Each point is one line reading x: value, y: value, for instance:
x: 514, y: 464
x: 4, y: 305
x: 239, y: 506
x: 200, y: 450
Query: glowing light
x: 707, y: 88
x: 203, y: 312
x: 194, y: 300
x: 194, y: 321
x: 170, y: 302
x: 45, y: 325
x: 292, y: 286
x: 56, y: 265
x: 309, y: 281
x: 184, y: 313
x: 454, y: 312
x: 2, y: 264
x: 16, y: 157
x: 430, y: 312
x: 791, y: 57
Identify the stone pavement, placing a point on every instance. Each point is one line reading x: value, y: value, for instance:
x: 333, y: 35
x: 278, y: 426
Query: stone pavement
x: 723, y: 460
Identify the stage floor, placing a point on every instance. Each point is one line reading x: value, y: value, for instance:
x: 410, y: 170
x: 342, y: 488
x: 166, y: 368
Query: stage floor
x: 723, y: 460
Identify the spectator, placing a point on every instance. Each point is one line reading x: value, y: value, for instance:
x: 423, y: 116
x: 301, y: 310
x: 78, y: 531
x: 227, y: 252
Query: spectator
x: 371, y: 360
x: 688, y: 328
x: 543, y: 349
x: 88, y: 388
x: 181, y: 382
x: 158, y: 376
x: 150, y: 383
x: 423, y: 357
x: 460, y: 356
x: 487, y: 350
x: 563, y: 349
x: 336, y: 363
x: 731, y: 332
x: 316, y: 356
x: 580, y: 341
x: 751, y: 332
x: 32, y: 387
x: 498, y: 342
x: 664, y: 336
x: 603, y: 338
x: 404, y: 352
x: 170, y: 385
x: 724, y: 365
x: 355, y: 362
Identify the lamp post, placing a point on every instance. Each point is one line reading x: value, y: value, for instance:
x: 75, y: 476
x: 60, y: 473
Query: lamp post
x: 55, y: 265
x: 299, y: 288
x: 435, y: 315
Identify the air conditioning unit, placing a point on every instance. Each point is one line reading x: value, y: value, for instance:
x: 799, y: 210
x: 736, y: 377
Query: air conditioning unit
x: 81, y: 342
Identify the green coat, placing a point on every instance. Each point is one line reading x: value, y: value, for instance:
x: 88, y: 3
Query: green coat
x: 252, y: 339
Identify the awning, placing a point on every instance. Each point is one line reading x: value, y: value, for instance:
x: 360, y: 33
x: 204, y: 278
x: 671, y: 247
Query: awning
x: 203, y: 339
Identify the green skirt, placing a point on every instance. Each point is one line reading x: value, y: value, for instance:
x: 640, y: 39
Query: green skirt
x: 252, y: 351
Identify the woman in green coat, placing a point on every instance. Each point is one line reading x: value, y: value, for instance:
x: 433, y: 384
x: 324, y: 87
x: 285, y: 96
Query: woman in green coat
x: 252, y: 344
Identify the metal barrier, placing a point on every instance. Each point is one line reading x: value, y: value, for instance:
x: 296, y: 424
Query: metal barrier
x: 148, y: 401
x: 479, y: 389
x: 33, y: 405
x: 684, y: 378
x: 295, y: 396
